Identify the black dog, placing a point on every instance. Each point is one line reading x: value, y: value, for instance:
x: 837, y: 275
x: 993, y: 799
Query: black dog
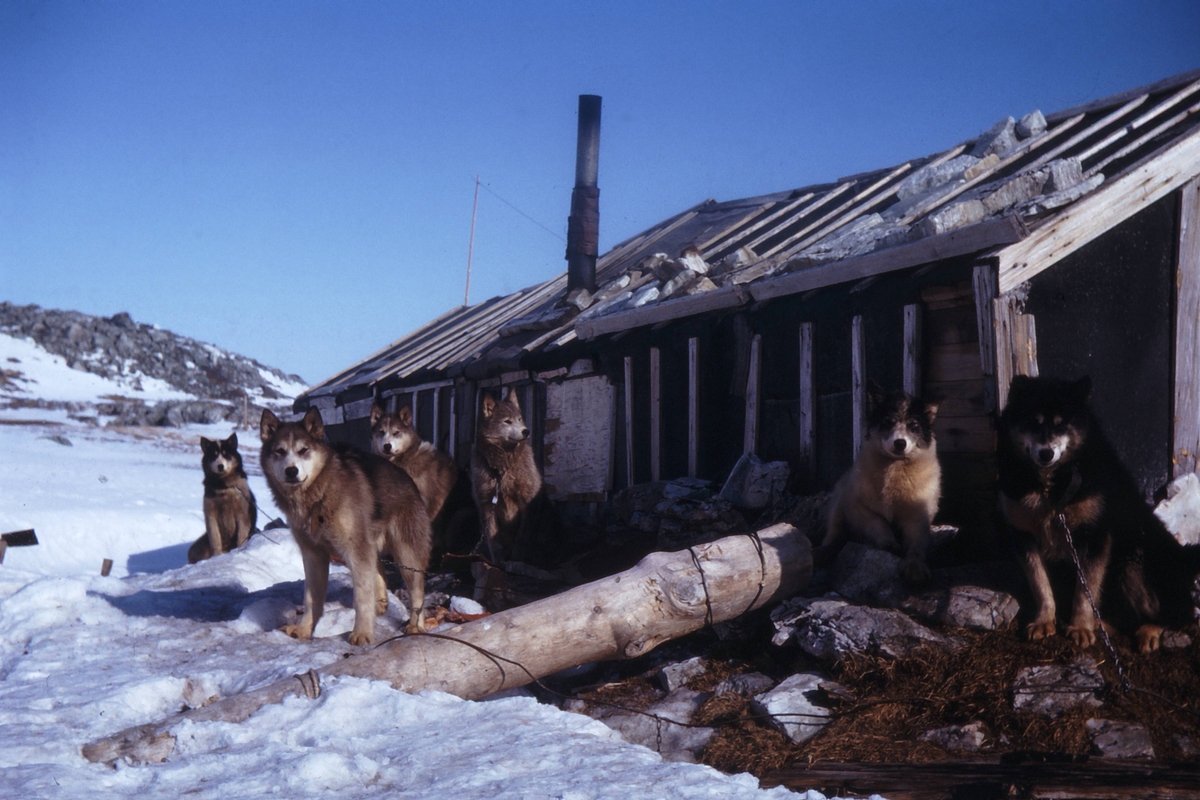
x: 1058, y: 472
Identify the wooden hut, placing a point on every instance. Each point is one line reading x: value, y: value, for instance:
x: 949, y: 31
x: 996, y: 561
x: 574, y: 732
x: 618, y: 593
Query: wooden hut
x: 1059, y: 244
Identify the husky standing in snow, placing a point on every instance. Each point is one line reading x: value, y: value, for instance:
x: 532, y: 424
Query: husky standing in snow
x: 891, y: 494
x: 344, y: 503
x: 229, y: 507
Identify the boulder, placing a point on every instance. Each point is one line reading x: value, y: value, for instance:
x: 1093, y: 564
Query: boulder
x: 868, y: 575
x: 799, y: 707
x: 673, y: 742
x: 1053, y: 690
x: 1032, y: 124
x: 979, y: 609
x: 1180, y: 512
x: 746, y: 684
x: 754, y: 484
x: 1113, y: 739
x: 970, y: 737
x: 675, y: 676
x: 833, y: 629
x: 999, y: 139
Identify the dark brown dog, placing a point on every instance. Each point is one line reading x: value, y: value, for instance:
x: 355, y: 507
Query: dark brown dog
x: 229, y: 506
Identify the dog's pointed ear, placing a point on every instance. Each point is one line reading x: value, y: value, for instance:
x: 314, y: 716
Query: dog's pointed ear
x: 875, y: 396
x: 268, y: 424
x: 1019, y: 386
x: 405, y: 414
x: 207, y: 444
x: 313, y: 423
x: 376, y: 413
x: 511, y: 397
x: 930, y: 408
x: 487, y: 405
x: 231, y: 442
x: 1082, y: 390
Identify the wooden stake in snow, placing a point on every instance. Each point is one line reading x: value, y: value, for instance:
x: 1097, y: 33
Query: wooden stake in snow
x: 106, y: 567
x: 664, y: 597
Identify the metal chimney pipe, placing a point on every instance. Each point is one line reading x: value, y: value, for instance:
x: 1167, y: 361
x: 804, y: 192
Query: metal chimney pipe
x: 583, y: 225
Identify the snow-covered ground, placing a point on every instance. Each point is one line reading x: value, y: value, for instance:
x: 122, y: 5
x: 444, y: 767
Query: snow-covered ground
x: 83, y: 656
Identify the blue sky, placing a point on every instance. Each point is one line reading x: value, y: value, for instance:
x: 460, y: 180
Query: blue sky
x: 293, y: 180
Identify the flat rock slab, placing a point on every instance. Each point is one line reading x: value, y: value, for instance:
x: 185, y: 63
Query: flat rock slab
x: 747, y: 684
x: 969, y: 738
x: 1113, y: 739
x: 673, y: 742
x: 832, y: 629
x: 979, y: 609
x: 674, y: 676
x: 799, y: 707
x: 1053, y: 690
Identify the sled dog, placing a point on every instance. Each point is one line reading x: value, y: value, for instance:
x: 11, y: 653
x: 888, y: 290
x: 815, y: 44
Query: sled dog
x: 344, y: 503
x: 889, y: 497
x: 515, y: 517
x: 1053, y: 459
x: 229, y: 507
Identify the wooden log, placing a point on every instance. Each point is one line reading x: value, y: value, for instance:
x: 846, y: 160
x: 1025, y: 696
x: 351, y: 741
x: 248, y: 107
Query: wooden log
x: 622, y: 616
x: 1095, y: 778
x: 1186, y: 446
x: 25, y: 538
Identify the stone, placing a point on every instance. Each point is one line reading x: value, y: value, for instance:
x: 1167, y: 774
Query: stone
x: 833, y: 629
x: 1032, y: 124
x: 1175, y: 640
x: 691, y: 259
x: 1180, y: 512
x: 746, y: 684
x: 799, y: 707
x: 919, y: 184
x: 701, y: 286
x: 580, y: 299
x: 1113, y: 739
x: 647, y: 294
x: 952, y: 217
x: 868, y: 575
x: 970, y: 737
x: 754, y: 484
x: 1014, y: 190
x: 675, y: 676
x: 1049, y: 202
x: 1052, y: 690
x: 678, y: 743
x: 998, y: 139
x: 1061, y: 174
x: 679, y: 283
x: 979, y: 609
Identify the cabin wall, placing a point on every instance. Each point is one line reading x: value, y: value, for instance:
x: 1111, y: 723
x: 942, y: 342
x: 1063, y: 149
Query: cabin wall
x: 1107, y: 311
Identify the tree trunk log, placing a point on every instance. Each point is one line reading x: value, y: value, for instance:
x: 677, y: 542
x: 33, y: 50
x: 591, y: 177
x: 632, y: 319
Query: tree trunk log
x: 621, y: 616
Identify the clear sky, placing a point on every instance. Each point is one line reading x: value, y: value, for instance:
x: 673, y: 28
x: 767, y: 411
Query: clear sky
x: 293, y: 180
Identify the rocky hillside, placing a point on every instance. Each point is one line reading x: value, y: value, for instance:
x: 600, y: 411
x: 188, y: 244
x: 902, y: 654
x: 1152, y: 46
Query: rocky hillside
x: 221, y: 385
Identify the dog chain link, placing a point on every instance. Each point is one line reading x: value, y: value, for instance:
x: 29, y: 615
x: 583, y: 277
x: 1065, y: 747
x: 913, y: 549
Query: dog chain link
x: 1108, y: 645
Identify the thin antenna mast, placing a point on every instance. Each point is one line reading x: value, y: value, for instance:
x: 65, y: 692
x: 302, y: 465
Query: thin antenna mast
x: 471, y: 245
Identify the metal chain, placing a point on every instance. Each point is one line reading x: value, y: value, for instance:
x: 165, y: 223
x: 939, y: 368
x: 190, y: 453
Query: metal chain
x: 1112, y: 650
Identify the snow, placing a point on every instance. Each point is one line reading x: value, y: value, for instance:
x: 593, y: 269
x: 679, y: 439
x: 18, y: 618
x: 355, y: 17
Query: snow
x: 47, y: 377
x: 84, y: 656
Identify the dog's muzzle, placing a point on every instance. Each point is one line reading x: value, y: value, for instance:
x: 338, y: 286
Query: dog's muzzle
x: 291, y: 474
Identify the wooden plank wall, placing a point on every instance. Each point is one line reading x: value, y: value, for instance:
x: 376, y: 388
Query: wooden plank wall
x: 1185, y: 450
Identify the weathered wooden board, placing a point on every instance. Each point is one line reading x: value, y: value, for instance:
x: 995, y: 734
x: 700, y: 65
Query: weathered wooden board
x: 953, y: 362
x: 655, y: 414
x: 858, y: 381
x: 1186, y: 446
x: 965, y: 434
x: 807, y: 400
x: 959, y: 398
x: 949, y: 325
x: 577, y: 445
x: 753, y: 391
x: 1100, y: 211
x: 1099, y: 779
x: 913, y: 332
x: 693, y: 407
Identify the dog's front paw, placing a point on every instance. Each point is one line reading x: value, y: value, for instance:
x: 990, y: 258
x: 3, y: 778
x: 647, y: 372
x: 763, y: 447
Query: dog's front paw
x: 359, y: 638
x: 1149, y: 637
x: 1039, y: 630
x: 1082, y: 635
x: 915, y: 573
x: 297, y: 631
x: 416, y: 624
